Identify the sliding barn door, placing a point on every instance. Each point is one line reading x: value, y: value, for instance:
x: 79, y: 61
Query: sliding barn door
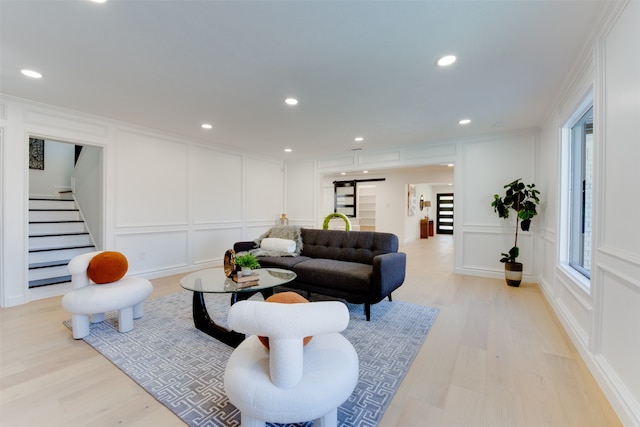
x: 444, y: 213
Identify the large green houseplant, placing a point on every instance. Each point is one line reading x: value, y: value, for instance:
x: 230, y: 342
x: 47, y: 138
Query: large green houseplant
x: 523, y: 199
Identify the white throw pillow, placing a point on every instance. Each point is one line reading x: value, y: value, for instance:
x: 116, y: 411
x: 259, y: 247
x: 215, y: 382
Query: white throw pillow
x: 277, y: 244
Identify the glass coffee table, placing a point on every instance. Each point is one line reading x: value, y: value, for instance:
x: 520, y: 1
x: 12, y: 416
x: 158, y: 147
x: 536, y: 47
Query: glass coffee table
x: 213, y: 280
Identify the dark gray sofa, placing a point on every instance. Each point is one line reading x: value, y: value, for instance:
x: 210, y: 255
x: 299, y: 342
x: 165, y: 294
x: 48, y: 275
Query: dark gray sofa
x: 362, y: 267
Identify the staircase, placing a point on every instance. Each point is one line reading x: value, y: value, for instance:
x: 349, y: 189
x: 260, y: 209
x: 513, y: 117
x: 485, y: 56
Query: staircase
x: 56, y: 234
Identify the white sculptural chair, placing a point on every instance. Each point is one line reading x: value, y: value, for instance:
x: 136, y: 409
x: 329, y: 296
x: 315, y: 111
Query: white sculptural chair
x: 88, y: 300
x: 290, y: 383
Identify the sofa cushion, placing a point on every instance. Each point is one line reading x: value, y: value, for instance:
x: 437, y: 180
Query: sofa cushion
x: 358, y: 247
x: 328, y: 273
x: 286, y: 263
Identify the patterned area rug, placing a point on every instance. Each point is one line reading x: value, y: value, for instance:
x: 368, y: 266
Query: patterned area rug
x: 183, y: 368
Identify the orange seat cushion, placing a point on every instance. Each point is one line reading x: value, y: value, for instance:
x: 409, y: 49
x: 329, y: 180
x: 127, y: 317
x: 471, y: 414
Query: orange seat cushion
x: 107, y: 267
x: 285, y: 298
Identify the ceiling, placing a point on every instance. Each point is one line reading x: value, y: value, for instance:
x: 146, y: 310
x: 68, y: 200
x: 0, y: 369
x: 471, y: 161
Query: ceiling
x: 358, y: 68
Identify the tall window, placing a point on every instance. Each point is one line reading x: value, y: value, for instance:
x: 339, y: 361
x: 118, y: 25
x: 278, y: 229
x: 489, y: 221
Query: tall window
x: 581, y: 193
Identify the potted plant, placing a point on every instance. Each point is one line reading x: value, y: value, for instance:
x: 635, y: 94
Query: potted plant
x: 247, y: 262
x: 523, y: 199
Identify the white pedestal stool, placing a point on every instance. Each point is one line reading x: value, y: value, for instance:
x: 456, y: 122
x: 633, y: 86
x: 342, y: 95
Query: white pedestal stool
x: 87, y: 299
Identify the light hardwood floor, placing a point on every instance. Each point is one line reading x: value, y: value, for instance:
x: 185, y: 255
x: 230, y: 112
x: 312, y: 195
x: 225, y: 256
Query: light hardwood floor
x: 496, y: 356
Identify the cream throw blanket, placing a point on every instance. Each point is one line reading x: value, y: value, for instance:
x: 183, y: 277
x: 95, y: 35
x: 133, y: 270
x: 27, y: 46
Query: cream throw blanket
x: 286, y: 232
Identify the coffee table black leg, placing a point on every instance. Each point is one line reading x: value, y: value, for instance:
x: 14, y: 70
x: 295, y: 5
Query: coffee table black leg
x: 242, y: 296
x: 204, y: 323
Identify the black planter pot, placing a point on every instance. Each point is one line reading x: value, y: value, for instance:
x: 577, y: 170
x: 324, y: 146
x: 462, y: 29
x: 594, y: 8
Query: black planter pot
x: 513, y: 273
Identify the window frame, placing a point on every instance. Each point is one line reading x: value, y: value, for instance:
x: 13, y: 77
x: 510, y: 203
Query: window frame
x: 577, y: 192
x: 565, y: 194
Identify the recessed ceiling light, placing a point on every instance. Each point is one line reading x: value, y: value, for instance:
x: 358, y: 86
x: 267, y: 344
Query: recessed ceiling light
x: 446, y: 61
x: 365, y: 171
x: 358, y: 139
x: 288, y: 150
x: 291, y: 101
x: 450, y: 165
x: 343, y: 173
x: 99, y: 1
x: 31, y: 73
x: 206, y: 126
x: 464, y: 121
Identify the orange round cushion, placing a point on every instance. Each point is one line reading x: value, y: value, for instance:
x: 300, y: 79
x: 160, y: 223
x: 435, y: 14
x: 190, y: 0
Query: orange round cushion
x: 285, y: 298
x: 107, y: 267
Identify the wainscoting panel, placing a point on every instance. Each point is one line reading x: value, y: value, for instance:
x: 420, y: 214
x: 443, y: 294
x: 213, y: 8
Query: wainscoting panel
x: 151, y: 178
x: 576, y: 307
x: 620, y: 314
x: 549, y: 263
x: 215, y: 188
x: 211, y: 244
x: 153, y: 251
x: 300, y: 196
x: 253, y: 231
x: 263, y: 189
x: 481, y: 250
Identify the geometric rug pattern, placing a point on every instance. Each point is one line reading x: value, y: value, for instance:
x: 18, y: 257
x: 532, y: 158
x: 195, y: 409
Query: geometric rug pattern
x: 183, y: 368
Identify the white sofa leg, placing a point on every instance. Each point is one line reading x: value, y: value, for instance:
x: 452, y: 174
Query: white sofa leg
x: 80, y: 325
x: 97, y: 317
x: 251, y: 422
x: 327, y: 420
x: 125, y: 319
x: 137, y: 310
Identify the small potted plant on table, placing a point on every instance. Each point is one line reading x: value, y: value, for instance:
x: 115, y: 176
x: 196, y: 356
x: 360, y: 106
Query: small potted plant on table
x: 247, y: 262
x: 523, y: 199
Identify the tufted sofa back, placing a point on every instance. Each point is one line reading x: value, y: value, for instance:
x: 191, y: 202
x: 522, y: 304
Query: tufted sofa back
x: 352, y: 246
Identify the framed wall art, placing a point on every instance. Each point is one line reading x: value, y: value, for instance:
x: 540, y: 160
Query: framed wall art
x: 36, y: 153
x: 412, y: 200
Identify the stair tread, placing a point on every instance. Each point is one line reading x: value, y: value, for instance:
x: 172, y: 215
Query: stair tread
x: 56, y: 222
x: 52, y: 210
x: 46, y: 264
x: 60, y: 248
x: 49, y: 281
x: 46, y: 228
x: 75, y: 233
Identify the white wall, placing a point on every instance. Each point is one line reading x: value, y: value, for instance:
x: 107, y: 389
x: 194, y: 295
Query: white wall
x: 602, y: 320
x: 301, y: 201
x: 88, y: 190
x: 171, y: 205
x: 485, y: 167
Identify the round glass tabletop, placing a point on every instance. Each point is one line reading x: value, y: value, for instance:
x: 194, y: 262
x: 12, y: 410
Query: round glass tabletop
x: 213, y: 280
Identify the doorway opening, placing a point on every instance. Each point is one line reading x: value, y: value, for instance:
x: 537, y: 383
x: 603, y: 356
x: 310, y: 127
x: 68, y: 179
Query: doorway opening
x: 65, y: 207
x: 444, y: 213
